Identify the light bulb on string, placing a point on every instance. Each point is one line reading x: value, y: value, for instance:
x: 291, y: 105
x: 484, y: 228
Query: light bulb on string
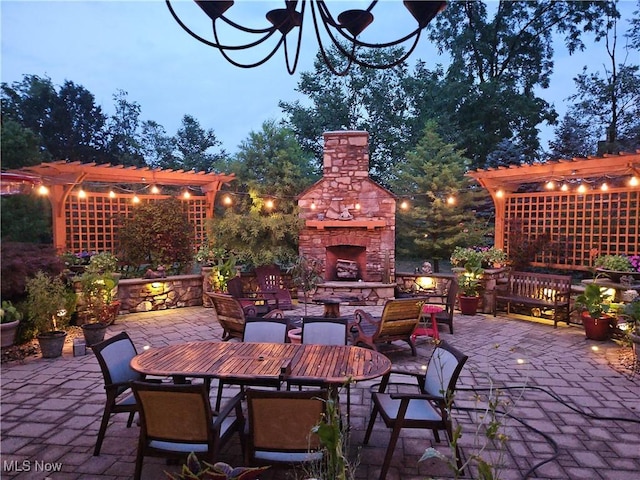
x: 226, y: 200
x: 582, y: 188
x: 135, y: 199
x: 155, y: 190
x: 451, y: 200
x: 550, y: 185
x: 404, y: 205
x: 112, y: 194
x: 564, y: 187
x: 43, y: 190
x: 269, y: 204
x: 186, y: 195
x: 82, y: 193
x: 604, y: 187
x: 633, y: 181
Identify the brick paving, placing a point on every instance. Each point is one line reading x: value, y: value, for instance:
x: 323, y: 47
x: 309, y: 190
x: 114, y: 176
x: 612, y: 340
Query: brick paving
x: 584, y: 399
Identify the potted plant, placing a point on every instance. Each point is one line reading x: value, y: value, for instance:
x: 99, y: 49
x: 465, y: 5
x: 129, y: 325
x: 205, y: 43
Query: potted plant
x: 10, y: 318
x: 98, y: 307
x: 617, y: 267
x: 594, y: 304
x: 49, y: 306
x: 306, y: 276
x: 222, y: 272
x: 632, y: 314
x: 470, y: 287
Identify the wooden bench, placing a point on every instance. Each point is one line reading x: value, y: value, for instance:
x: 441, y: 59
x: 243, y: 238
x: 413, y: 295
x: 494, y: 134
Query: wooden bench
x: 536, y: 290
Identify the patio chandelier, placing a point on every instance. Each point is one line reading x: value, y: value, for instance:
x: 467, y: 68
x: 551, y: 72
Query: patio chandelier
x: 340, y: 32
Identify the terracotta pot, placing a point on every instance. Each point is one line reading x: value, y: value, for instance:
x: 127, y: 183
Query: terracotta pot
x: 468, y: 305
x: 8, y: 332
x: 596, y: 329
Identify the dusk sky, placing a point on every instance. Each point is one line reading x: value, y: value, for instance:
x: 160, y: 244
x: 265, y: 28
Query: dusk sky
x: 137, y: 46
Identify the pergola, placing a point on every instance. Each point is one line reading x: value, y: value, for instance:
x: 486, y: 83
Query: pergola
x: 87, y: 198
x: 576, y: 204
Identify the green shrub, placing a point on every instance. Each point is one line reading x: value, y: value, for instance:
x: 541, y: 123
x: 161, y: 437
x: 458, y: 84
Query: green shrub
x: 158, y: 233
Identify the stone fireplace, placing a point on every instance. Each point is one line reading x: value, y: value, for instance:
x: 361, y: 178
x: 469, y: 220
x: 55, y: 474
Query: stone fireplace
x: 349, y: 221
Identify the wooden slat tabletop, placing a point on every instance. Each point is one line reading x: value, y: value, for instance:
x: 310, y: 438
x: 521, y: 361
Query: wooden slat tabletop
x: 263, y: 361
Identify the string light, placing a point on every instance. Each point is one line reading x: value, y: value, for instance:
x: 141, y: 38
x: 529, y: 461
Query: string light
x: 357, y: 206
x: 43, y: 190
x: 82, y: 193
x: 404, y: 205
x: 451, y: 200
x: 564, y: 187
x: 604, y: 187
x: 313, y: 204
x: 550, y: 185
x: 226, y: 200
x: 186, y: 195
x: 112, y: 194
x: 633, y: 181
x: 268, y: 204
x: 135, y: 199
x: 155, y: 189
x: 582, y: 188
x: 500, y: 193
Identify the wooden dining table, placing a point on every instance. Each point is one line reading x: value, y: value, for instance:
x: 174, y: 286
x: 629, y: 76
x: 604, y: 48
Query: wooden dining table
x: 263, y: 362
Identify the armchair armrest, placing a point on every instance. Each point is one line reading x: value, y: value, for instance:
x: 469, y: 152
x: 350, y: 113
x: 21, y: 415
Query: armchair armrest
x: 362, y: 318
x: 234, y: 404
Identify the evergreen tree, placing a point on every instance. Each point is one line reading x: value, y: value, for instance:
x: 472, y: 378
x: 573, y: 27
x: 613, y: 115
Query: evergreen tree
x: 433, y: 226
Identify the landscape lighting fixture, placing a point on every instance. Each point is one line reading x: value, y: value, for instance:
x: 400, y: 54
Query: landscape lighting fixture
x: 342, y: 32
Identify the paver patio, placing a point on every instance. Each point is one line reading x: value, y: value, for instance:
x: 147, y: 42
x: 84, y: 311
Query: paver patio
x: 51, y: 408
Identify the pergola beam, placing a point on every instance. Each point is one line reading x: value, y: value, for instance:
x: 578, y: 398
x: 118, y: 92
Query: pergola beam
x: 62, y: 177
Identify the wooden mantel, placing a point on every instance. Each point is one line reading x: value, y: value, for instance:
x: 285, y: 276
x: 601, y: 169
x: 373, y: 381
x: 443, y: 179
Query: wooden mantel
x: 368, y: 224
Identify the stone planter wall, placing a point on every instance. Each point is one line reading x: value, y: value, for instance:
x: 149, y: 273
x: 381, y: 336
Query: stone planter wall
x: 144, y: 295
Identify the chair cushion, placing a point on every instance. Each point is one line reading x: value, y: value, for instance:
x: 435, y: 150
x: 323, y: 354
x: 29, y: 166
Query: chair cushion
x: 179, y: 447
x: 287, y: 457
x: 421, y: 410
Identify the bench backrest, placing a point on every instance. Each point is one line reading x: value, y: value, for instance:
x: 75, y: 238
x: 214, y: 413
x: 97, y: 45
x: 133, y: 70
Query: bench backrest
x: 541, y: 286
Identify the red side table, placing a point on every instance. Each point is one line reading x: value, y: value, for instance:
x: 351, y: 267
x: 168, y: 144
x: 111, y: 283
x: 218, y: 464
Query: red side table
x: 429, y: 331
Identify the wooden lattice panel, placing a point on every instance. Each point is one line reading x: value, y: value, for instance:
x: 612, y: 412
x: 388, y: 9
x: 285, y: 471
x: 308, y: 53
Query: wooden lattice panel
x: 575, y: 223
x: 91, y: 223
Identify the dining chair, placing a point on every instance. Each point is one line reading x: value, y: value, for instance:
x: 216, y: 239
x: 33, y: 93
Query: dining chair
x: 279, y: 426
x: 428, y: 408
x: 114, y: 355
x: 177, y: 419
x: 266, y: 330
x: 324, y: 331
x: 261, y: 330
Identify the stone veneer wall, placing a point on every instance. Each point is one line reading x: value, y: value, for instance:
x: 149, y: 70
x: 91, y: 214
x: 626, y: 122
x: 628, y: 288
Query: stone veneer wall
x: 144, y: 295
x: 346, y: 185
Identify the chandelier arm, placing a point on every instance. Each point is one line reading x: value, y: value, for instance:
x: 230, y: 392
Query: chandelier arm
x: 292, y: 69
x: 326, y: 59
x: 252, y: 65
x: 213, y: 44
x: 240, y: 47
x: 246, y: 29
x: 327, y: 19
